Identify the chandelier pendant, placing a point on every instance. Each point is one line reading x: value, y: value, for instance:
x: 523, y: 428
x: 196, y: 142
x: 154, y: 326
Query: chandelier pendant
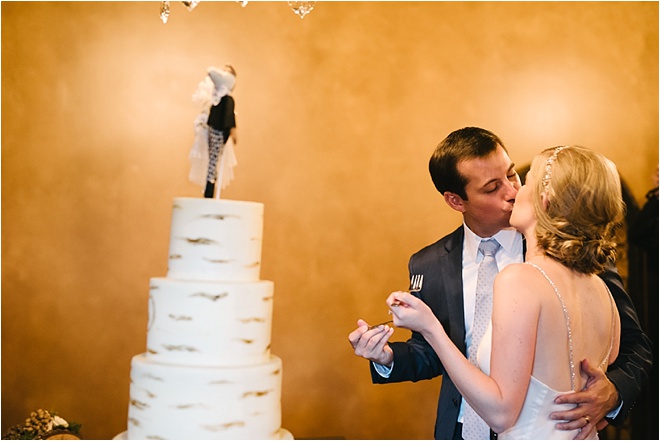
x: 300, y: 8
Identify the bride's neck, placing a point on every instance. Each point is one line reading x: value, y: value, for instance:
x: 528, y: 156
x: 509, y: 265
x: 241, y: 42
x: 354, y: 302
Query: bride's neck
x: 532, y: 247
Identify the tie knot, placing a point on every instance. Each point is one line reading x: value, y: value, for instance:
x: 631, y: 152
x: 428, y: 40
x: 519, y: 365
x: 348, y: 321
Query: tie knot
x: 489, y: 247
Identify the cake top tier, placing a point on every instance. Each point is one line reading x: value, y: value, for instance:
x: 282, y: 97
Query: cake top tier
x: 215, y: 239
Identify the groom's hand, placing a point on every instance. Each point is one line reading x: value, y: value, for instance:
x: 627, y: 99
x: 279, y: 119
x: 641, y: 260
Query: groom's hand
x: 597, y: 399
x: 372, y: 343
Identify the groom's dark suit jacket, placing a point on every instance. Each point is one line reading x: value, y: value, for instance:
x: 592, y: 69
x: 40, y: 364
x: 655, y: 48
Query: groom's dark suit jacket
x: 414, y: 360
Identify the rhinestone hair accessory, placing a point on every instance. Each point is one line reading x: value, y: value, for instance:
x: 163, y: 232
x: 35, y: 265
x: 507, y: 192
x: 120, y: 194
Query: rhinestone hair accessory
x: 548, y: 165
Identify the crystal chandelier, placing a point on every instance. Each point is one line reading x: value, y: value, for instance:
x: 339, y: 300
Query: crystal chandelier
x: 300, y: 8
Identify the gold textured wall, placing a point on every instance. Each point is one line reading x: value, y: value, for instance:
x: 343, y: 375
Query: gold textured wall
x: 338, y: 114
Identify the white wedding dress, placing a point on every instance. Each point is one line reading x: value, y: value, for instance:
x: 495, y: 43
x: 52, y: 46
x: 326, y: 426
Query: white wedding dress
x: 533, y: 421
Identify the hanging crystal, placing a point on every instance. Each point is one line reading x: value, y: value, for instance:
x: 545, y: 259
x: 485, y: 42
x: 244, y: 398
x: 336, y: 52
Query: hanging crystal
x: 190, y: 4
x: 301, y: 8
x: 164, y: 11
x: 242, y: 2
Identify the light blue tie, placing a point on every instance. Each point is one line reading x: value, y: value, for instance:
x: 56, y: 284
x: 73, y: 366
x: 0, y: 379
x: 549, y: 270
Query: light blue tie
x: 474, y: 427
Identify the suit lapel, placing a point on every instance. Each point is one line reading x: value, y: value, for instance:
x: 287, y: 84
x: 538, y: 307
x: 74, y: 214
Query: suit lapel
x: 451, y: 268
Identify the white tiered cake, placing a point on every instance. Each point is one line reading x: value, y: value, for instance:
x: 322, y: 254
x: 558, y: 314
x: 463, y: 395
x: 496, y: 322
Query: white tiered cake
x: 208, y: 372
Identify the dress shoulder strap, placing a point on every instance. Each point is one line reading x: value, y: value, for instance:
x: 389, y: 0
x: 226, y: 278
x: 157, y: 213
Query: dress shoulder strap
x: 568, y: 323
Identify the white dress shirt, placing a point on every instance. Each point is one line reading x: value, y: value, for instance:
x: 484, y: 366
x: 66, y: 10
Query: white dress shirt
x: 511, y: 251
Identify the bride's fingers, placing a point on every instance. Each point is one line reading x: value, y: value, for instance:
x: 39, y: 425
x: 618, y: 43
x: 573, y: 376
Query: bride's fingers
x: 393, y: 299
x: 402, y: 299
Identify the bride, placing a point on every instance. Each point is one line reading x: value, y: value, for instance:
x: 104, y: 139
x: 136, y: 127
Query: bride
x: 549, y: 313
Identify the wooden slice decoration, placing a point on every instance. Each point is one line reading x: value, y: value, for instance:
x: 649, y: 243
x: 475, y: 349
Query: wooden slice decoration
x: 60, y: 434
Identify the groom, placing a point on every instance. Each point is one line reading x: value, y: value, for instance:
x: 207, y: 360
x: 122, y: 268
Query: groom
x: 456, y: 168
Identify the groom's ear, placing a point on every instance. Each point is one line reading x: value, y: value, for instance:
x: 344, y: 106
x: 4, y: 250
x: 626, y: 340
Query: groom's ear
x: 454, y: 201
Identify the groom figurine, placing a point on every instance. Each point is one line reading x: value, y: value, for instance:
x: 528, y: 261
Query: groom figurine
x: 221, y: 122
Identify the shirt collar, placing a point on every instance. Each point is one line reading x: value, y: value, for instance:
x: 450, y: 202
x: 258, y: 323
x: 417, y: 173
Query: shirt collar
x: 509, y: 239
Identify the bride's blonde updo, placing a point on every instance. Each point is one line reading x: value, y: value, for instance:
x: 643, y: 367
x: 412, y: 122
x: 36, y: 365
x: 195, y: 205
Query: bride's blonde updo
x: 576, y: 225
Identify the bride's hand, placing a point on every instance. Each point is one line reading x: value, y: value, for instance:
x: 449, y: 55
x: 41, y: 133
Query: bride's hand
x: 409, y: 312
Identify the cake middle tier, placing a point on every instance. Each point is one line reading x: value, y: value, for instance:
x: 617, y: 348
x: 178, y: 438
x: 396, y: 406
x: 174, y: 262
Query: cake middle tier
x: 197, y: 323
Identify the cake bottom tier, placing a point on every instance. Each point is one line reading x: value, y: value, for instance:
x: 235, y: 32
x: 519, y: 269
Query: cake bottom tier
x: 186, y: 402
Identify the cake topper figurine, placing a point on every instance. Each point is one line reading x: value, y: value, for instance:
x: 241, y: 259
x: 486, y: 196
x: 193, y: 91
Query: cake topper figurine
x: 215, y: 127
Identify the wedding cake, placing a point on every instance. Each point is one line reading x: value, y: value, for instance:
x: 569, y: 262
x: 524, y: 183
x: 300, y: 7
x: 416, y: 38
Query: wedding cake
x: 208, y: 372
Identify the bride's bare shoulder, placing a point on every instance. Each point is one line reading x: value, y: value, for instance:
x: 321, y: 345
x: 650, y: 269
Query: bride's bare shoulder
x: 519, y: 272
